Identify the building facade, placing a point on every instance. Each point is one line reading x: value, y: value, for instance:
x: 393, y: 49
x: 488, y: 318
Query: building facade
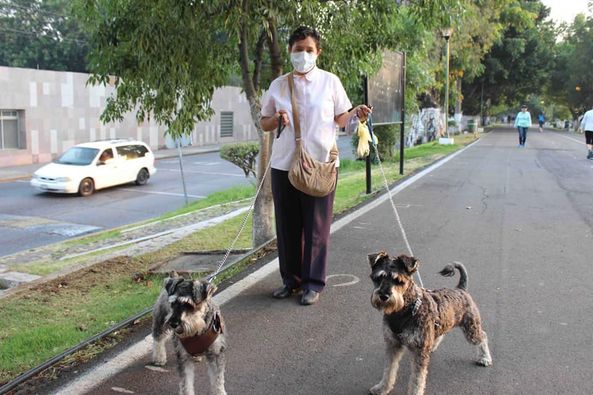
x: 43, y: 113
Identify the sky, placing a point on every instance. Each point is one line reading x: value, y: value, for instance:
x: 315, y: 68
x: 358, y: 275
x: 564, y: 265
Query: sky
x: 565, y: 10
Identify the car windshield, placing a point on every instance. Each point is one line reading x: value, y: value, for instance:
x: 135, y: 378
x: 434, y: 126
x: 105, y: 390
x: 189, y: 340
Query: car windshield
x: 79, y: 156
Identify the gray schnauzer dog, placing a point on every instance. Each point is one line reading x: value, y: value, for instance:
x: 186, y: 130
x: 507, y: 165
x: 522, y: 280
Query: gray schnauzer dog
x: 417, y: 319
x: 185, y: 307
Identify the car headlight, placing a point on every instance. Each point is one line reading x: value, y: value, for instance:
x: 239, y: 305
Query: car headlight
x: 63, y: 179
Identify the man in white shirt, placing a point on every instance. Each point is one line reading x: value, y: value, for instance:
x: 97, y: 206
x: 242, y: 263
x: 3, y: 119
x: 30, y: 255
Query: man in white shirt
x: 587, y: 126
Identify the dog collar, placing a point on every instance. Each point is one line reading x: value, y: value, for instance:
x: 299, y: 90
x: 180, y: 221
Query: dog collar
x: 198, y: 344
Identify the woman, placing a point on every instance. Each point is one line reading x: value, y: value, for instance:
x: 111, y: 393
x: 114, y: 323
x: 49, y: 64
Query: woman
x: 522, y: 122
x: 302, y: 221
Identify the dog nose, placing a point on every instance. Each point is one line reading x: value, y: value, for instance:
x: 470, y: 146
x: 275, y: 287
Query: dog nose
x: 383, y: 297
x: 174, y: 324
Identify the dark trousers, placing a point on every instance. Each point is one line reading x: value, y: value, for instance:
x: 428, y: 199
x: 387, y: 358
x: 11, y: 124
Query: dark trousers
x: 522, y: 134
x: 303, y: 223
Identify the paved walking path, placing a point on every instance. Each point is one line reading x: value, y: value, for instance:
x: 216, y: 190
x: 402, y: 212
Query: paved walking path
x: 520, y: 219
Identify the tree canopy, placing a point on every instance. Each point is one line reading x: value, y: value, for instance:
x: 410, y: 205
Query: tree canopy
x: 41, y: 34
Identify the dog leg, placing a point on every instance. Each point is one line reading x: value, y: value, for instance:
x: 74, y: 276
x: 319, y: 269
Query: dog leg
x: 185, y: 368
x: 216, y: 368
x: 417, y: 381
x: 484, y: 357
x: 472, y: 328
x: 393, y: 355
x: 159, y: 352
x: 159, y: 333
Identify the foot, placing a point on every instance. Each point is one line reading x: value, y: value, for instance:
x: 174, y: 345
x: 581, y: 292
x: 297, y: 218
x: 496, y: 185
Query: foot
x: 309, y: 297
x: 283, y: 292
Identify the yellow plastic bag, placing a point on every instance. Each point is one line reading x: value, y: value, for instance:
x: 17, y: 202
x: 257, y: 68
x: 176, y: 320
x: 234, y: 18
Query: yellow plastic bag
x: 364, y: 140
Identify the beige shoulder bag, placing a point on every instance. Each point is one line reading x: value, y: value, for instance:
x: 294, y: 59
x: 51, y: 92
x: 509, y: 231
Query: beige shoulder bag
x: 307, y: 174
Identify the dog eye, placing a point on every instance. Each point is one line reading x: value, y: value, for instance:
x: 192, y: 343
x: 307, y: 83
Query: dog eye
x: 397, y: 280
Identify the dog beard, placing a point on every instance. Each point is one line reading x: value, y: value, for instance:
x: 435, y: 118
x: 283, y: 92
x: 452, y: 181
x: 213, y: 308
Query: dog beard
x: 392, y: 305
x: 191, y: 324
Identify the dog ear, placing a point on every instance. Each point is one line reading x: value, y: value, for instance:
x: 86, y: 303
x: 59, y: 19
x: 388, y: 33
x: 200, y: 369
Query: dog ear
x: 171, y: 284
x: 376, y: 258
x: 409, y: 263
x: 203, y: 290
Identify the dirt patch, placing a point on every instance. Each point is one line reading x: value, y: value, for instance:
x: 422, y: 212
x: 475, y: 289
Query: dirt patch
x: 77, y: 283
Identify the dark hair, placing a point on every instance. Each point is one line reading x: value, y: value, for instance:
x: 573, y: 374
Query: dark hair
x: 301, y: 33
x: 524, y: 106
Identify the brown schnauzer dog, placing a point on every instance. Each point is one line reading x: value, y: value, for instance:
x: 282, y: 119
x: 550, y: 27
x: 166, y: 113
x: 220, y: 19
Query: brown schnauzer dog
x: 417, y: 319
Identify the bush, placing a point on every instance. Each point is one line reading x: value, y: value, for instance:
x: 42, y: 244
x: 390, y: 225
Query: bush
x: 242, y: 155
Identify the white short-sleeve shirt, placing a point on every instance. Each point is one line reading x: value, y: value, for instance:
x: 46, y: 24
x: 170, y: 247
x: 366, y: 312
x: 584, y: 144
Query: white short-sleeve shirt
x: 320, y: 97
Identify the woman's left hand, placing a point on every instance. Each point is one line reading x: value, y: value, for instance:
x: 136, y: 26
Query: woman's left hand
x: 362, y: 111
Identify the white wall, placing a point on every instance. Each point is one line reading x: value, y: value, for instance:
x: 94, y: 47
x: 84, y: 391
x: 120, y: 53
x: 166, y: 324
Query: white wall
x: 60, y: 110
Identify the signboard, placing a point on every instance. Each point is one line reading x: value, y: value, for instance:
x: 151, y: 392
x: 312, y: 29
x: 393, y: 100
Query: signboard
x: 385, y: 89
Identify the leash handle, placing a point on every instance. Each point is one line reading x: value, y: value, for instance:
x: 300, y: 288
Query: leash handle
x: 281, y: 126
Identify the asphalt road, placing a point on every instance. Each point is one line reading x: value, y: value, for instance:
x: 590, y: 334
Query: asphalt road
x: 520, y: 219
x: 29, y: 218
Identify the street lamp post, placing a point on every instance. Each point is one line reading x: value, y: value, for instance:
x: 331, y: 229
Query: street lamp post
x: 446, y: 33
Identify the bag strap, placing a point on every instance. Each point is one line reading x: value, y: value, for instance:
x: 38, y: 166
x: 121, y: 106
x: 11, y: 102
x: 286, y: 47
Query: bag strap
x: 295, y: 108
x: 333, y: 152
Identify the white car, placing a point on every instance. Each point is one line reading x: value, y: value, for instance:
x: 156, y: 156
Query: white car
x: 85, y: 168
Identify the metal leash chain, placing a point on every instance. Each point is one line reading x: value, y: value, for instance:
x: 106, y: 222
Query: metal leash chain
x: 228, y: 252
x: 397, y: 217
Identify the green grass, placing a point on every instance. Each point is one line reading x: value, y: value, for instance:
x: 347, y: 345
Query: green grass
x: 41, y: 321
x: 39, y: 328
x: 228, y: 195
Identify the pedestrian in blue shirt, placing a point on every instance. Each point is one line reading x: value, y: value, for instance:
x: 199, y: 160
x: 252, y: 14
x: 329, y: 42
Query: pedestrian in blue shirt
x: 522, y: 122
x: 541, y: 120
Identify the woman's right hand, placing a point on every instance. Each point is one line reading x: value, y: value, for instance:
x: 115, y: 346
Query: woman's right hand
x: 284, y: 115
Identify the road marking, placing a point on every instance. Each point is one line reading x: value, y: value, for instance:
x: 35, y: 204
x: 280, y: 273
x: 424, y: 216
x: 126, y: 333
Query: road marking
x: 156, y: 368
x: 45, y: 225
x: 208, y: 173
x: 353, y: 279
x: 207, y: 163
x: 142, y: 348
x: 160, y: 193
x: 122, y: 390
x: 570, y: 138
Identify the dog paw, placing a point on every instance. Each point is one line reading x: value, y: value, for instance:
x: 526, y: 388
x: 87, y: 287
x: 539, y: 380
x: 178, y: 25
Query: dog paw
x: 159, y: 362
x: 378, y: 390
x: 484, y: 362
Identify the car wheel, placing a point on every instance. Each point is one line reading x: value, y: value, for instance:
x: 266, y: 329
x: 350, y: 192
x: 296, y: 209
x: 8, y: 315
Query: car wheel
x: 142, y: 177
x: 86, y: 187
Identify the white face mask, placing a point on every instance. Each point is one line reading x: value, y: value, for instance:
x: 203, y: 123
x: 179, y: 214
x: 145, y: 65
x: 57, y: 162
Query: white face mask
x: 303, y: 62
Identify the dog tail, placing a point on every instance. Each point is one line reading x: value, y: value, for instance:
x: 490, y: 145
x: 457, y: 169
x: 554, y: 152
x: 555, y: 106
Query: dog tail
x: 449, y: 271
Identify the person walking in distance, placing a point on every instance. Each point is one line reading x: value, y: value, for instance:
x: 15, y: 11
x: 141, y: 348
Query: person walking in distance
x: 587, y: 126
x: 541, y: 119
x: 522, y: 122
x: 303, y: 222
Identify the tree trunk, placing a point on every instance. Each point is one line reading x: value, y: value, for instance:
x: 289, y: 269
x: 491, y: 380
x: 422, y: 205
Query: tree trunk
x: 262, y: 219
x: 263, y: 214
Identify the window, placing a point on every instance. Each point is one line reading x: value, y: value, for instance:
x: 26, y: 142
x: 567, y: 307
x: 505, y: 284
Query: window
x: 79, y: 156
x: 9, y: 129
x: 226, y: 124
x: 129, y: 152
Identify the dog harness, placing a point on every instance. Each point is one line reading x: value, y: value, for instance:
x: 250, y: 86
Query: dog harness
x: 198, y: 344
